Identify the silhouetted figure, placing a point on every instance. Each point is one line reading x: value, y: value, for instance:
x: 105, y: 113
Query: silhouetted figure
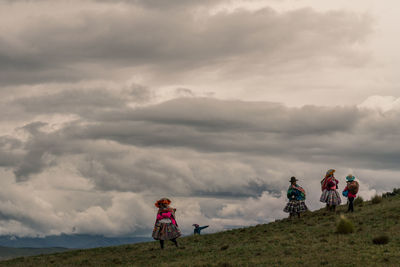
x: 198, y: 228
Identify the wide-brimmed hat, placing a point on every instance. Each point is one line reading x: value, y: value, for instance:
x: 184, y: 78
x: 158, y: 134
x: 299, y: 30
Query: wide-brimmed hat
x: 195, y: 225
x: 350, y: 178
x: 162, y: 202
x: 330, y: 172
x: 293, y: 179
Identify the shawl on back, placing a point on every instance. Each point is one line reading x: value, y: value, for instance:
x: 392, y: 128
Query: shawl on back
x: 328, y: 180
x: 353, y: 187
x: 298, y: 191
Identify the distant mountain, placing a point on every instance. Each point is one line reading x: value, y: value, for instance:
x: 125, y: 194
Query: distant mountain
x: 68, y: 241
x: 8, y: 253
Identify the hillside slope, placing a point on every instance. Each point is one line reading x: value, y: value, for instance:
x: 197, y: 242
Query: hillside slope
x: 310, y: 241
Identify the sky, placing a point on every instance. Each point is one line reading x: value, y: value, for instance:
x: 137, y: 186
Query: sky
x: 107, y: 106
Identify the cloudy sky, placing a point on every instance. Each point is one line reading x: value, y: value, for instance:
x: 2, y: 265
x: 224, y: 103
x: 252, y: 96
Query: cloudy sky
x: 107, y: 106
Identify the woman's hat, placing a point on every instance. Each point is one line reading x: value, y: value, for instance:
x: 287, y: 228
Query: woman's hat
x: 350, y: 178
x: 330, y: 172
x: 293, y: 179
x: 162, y: 202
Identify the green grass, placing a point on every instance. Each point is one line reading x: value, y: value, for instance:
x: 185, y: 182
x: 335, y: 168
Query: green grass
x: 376, y: 199
x: 309, y: 241
x: 344, y: 226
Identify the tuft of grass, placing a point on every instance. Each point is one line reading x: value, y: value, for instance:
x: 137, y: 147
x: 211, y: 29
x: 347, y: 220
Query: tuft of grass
x: 380, y: 240
x: 225, y: 247
x: 376, y: 199
x: 344, y: 226
x: 359, y: 201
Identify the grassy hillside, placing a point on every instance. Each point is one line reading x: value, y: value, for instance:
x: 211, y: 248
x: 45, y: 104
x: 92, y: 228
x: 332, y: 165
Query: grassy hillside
x: 310, y: 241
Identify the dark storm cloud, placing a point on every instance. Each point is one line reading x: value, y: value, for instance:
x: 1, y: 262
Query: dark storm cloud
x: 201, y: 148
x: 210, y: 125
x: 168, y: 139
x: 8, y: 142
x: 85, y: 103
x: 219, y: 115
x: 161, y: 4
x: 72, y: 101
x: 33, y: 161
x: 171, y: 42
x: 10, y: 153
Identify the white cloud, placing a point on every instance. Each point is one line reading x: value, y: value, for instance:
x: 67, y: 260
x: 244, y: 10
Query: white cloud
x: 381, y: 103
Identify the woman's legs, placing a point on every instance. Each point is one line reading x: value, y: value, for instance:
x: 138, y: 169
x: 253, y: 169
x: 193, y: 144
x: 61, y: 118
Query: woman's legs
x: 351, y: 204
x: 175, y: 242
x: 293, y: 214
x: 172, y: 240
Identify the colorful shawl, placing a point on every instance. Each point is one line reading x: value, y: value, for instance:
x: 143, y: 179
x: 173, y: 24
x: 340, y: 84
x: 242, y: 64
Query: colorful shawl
x: 297, y: 191
x: 329, y: 183
x: 166, y: 213
x: 327, y: 179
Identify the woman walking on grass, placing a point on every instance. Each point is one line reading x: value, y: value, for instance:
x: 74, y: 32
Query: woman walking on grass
x: 296, y: 196
x: 165, y: 227
x: 351, y: 191
x: 329, y: 194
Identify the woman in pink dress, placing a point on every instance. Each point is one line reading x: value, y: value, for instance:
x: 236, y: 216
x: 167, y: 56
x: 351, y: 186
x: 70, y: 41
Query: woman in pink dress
x: 166, y: 227
x: 330, y: 195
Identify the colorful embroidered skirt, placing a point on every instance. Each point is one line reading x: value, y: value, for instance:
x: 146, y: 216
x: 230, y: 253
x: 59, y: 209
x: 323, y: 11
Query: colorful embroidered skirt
x: 331, y: 197
x: 295, y: 206
x: 165, y: 231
